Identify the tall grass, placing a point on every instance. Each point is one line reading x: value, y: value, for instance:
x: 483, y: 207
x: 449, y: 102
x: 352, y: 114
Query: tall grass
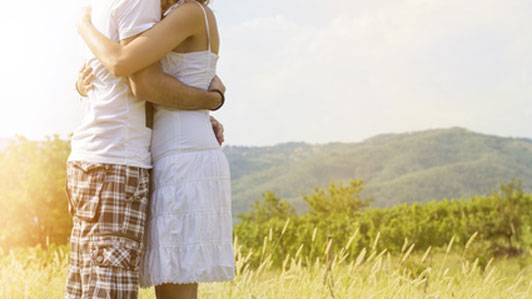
x: 437, y: 273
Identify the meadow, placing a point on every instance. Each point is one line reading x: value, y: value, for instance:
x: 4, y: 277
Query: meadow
x: 440, y: 273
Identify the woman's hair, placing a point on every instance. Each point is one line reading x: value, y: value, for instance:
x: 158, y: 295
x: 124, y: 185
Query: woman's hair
x: 168, y: 3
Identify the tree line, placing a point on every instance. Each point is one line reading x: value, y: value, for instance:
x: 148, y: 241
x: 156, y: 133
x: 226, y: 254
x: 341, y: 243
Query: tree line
x: 338, y: 215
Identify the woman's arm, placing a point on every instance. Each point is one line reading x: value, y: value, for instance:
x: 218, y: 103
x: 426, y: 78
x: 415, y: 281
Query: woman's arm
x: 149, y: 47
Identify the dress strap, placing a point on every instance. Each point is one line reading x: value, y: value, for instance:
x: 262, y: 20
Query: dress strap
x: 206, y: 23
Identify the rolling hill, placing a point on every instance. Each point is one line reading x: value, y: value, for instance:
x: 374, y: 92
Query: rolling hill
x: 396, y: 168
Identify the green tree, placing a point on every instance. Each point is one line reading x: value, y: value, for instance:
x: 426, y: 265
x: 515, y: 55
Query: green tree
x: 337, y: 199
x: 511, y: 207
x: 271, y: 207
x: 32, y: 197
x: 271, y: 222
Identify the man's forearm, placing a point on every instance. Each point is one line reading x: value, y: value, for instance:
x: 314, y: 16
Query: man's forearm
x: 152, y: 85
x: 159, y: 88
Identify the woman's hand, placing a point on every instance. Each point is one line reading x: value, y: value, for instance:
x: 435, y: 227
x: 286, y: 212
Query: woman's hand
x: 218, y: 129
x: 84, y: 82
x: 217, y: 83
x: 84, y: 17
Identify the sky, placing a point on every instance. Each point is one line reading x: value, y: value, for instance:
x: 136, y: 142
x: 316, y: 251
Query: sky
x: 312, y: 71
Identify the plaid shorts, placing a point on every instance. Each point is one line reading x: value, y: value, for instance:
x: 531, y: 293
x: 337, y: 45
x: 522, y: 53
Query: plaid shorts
x: 108, y: 204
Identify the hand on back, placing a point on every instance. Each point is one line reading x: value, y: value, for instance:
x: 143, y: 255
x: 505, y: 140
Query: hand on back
x: 84, y: 82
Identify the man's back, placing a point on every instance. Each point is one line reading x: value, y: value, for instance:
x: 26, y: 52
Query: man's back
x: 113, y: 129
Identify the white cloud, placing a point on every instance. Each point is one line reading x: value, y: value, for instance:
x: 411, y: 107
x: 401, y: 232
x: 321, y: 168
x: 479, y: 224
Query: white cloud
x: 395, y: 66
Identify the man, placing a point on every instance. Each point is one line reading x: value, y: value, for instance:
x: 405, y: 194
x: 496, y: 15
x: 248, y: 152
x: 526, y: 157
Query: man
x: 107, y: 171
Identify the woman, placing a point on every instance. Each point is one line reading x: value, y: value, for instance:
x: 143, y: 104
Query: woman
x: 189, y: 232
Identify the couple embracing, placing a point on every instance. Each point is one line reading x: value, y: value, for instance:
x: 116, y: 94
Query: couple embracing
x: 178, y: 231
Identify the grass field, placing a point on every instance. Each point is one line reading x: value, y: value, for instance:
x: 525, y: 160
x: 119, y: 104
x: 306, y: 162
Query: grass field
x: 442, y: 273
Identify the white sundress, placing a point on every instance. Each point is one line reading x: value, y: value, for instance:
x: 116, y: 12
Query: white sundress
x: 189, y: 229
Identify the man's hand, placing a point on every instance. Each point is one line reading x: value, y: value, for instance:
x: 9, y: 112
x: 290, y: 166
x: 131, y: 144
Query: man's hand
x: 84, y: 82
x: 218, y: 129
x: 216, y: 83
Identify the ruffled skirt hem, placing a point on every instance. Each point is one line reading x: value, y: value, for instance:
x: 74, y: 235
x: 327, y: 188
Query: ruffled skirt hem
x: 159, y: 282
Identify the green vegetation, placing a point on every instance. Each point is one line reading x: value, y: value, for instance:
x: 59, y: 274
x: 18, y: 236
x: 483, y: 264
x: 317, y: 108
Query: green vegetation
x: 500, y: 222
x: 397, y: 169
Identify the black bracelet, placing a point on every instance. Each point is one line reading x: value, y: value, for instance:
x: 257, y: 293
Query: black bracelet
x: 223, y: 99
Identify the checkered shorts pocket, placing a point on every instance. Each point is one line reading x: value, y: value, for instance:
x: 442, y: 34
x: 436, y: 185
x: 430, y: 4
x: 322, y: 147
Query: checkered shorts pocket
x: 115, y: 251
x: 84, y: 186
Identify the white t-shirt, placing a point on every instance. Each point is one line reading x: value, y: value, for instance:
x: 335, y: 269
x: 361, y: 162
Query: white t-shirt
x: 113, y: 129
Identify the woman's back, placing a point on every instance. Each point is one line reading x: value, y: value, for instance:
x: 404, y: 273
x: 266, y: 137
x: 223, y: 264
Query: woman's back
x: 194, y: 61
x: 180, y: 130
x: 199, y: 41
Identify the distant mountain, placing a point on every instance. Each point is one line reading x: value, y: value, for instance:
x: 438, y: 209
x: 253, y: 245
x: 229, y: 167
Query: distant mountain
x: 396, y: 168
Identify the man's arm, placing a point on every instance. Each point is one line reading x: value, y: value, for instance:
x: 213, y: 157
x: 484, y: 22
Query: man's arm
x: 152, y: 85
x: 84, y: 82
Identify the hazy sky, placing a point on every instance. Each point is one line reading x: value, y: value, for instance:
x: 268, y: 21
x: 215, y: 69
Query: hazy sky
x: 314, y: 71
